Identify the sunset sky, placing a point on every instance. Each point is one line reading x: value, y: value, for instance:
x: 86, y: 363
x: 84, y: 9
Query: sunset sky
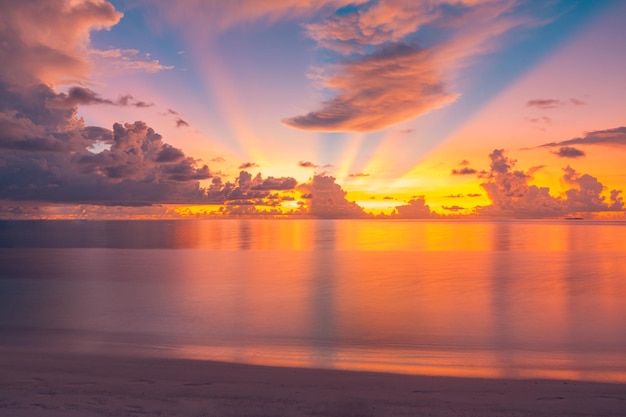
x: 329, y: 108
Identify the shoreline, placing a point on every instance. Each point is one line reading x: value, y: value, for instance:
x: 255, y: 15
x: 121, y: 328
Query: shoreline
x: 36, y: 383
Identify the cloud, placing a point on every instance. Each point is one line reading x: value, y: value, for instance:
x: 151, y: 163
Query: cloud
x: 307, y: 164
x: 416, y: 208
x: 378, y: 90
x: 126, y: 60
x: 569, y: 152
x: 359, y: 174
x: 453, y: 208
x: 46, y: 152
x: 326, y: 199
x: 386, y: 75
x: 552, y: 103
x: 544, y: 103
x: 248, y: 165
x: 48, y: 41
x: 539, y: 122
x: 138, y: 168
x: 272, y: 183
x: 610, y: 137
x: 464, y: 171
x: 585, y: 194
x: 181, y: 123
x: 512, y: 196
x: 85, y: 96
x: 218, y: 159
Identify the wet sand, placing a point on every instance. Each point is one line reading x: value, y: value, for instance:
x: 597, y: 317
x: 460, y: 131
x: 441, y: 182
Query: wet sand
x: 55, y: 384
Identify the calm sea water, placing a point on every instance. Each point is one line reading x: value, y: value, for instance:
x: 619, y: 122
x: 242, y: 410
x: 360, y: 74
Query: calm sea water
x: 491, y: 299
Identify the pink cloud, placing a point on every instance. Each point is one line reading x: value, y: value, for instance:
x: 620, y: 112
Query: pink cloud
x: 378, y: 90
x: 31, y: 54
x: 125, y: 60
x: 388, y: 78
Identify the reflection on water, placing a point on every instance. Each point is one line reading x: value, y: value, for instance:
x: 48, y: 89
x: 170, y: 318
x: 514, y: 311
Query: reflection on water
x: 512, y: 299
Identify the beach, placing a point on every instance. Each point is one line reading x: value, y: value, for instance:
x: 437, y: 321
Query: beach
x: 34, y: 383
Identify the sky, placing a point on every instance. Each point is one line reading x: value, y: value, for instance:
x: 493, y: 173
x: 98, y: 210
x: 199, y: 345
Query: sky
x: 321, y: 108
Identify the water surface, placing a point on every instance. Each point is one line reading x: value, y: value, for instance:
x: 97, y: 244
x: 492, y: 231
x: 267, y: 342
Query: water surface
x: 492, y: 299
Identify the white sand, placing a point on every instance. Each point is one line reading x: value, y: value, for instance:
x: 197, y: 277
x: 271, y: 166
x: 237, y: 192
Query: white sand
x: 34, y: 384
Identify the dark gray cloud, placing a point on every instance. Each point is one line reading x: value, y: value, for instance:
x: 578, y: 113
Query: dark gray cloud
x: 245, y: 187
x: 307, y: 164
x: 85, y: 96
x: 248, y: 165
x: 610, y: 137
x: 464, y: 171
x: 569, y: 152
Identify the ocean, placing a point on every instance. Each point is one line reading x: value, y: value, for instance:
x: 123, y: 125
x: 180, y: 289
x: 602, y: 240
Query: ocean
x: 512, y: 299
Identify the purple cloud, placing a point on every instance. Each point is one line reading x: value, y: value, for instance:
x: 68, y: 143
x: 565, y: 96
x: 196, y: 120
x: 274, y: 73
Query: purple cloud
x: 569, y: 152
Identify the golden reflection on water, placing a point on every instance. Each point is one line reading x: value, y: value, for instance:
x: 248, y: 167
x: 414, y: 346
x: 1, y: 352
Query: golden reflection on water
x: 508, y: 299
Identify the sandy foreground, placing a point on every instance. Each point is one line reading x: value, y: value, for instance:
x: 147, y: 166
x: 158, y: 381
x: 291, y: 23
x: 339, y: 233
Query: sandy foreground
x: 55, y: 384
